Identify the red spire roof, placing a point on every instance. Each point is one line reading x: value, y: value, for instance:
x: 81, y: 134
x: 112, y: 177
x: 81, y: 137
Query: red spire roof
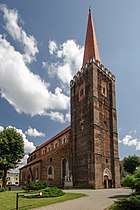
x: 91, y: 46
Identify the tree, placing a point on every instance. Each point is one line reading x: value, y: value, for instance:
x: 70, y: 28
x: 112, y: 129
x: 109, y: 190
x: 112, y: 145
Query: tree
x: 1, y: 174
x: 128, y: 181
x: 11, y: 150
x: 133, y: 181
x: 131, y: 163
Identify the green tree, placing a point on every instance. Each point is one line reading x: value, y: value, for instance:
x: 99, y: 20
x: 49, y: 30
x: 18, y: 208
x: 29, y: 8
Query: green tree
x: 11, y: 150
x: 121, y: 167
x: 131, y: 163
x: 128, y: 181
x: 1, y: 174
x: 136, y: 179
x: 133, y: 181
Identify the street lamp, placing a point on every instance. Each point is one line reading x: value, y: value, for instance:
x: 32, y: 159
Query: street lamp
x: 17, y: 196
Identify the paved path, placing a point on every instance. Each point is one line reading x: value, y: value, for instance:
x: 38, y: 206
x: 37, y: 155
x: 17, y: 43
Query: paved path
x: 97, y: 200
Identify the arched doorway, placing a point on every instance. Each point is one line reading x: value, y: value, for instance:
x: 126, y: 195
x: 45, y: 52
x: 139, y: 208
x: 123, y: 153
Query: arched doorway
x: 107, y: 179
x: 64, y: 168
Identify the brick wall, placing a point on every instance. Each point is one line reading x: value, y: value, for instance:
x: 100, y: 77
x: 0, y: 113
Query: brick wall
x: 42, y: 158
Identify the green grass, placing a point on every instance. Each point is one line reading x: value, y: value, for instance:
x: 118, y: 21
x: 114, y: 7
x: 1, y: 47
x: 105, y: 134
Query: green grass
x: 8, y: 200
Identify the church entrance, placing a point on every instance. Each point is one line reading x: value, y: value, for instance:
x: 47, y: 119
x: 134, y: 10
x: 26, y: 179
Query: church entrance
x: 107, y: 179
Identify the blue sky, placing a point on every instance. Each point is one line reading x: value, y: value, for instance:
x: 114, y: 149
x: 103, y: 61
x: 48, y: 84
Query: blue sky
x: 41, y: 48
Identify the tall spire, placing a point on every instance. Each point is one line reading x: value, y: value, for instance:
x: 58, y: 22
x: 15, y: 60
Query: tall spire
x: 91, y: 46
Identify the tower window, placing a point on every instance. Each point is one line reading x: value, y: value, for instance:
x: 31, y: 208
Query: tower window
x: 104, y: 88
x: 82, y: 124
x: 81, y: 91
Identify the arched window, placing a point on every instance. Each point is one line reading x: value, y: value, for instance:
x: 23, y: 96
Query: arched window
x: 50, y: 172
x: 64, y: 168
x: 29, y: 178
x: 37, y: 173
x: 64, y: 140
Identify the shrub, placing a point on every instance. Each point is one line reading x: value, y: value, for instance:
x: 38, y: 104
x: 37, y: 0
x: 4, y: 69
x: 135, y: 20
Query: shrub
x: 52, y: 192
x: 128, y: 181
x: 46, y: 193
x: 32, y: 186
x: 2, y: 189
x: 130, y: 203
x: 136, y: 180
x: 133, y: 181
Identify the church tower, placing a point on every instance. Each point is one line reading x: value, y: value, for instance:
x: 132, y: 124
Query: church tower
x: 94, y: 143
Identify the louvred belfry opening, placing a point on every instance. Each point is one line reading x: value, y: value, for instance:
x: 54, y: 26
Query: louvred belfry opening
x: 91, y: 46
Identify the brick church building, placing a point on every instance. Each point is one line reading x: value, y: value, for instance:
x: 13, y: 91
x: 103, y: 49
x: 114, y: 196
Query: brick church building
x: 86, y: 152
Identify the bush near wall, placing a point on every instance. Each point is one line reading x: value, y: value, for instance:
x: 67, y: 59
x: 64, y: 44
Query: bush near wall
x: 45, y: 193
x: 33, y: 186
x: 33, y: 190
x: 133, y: 201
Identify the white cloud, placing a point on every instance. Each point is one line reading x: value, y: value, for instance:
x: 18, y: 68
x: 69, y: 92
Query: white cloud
x: 52, y: 47
x: 1, y: 128
x: 60, y: 117
x: 28, y: 148
x: 68, y: 117
x: 11, y: 18
x: 56, y: 116
x: 129, y: 140
x: 34, y: 132
x: 23, y: 89
x: 70, y: 54
x: 138, y: 146
x: 132, y: 132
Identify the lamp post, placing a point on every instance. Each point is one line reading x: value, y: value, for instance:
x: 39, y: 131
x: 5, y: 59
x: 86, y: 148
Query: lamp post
x: 17, y: 196
x: 17, y: 201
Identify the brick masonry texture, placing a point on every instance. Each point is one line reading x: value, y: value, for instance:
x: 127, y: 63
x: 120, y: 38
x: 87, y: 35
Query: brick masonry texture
x: 90, y: 145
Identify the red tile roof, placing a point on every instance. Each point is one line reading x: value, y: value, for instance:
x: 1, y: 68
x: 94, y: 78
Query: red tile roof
x: 52, y: 139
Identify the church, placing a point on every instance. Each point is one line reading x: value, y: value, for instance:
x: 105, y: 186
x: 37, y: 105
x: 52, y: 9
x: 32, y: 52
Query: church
x: 86, y: 152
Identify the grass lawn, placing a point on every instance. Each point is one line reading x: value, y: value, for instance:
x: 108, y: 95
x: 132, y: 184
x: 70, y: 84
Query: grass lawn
x: 8, y: 200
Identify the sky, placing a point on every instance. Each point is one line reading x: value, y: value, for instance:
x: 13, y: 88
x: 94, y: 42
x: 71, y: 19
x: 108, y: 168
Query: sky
x: 41, y: 49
